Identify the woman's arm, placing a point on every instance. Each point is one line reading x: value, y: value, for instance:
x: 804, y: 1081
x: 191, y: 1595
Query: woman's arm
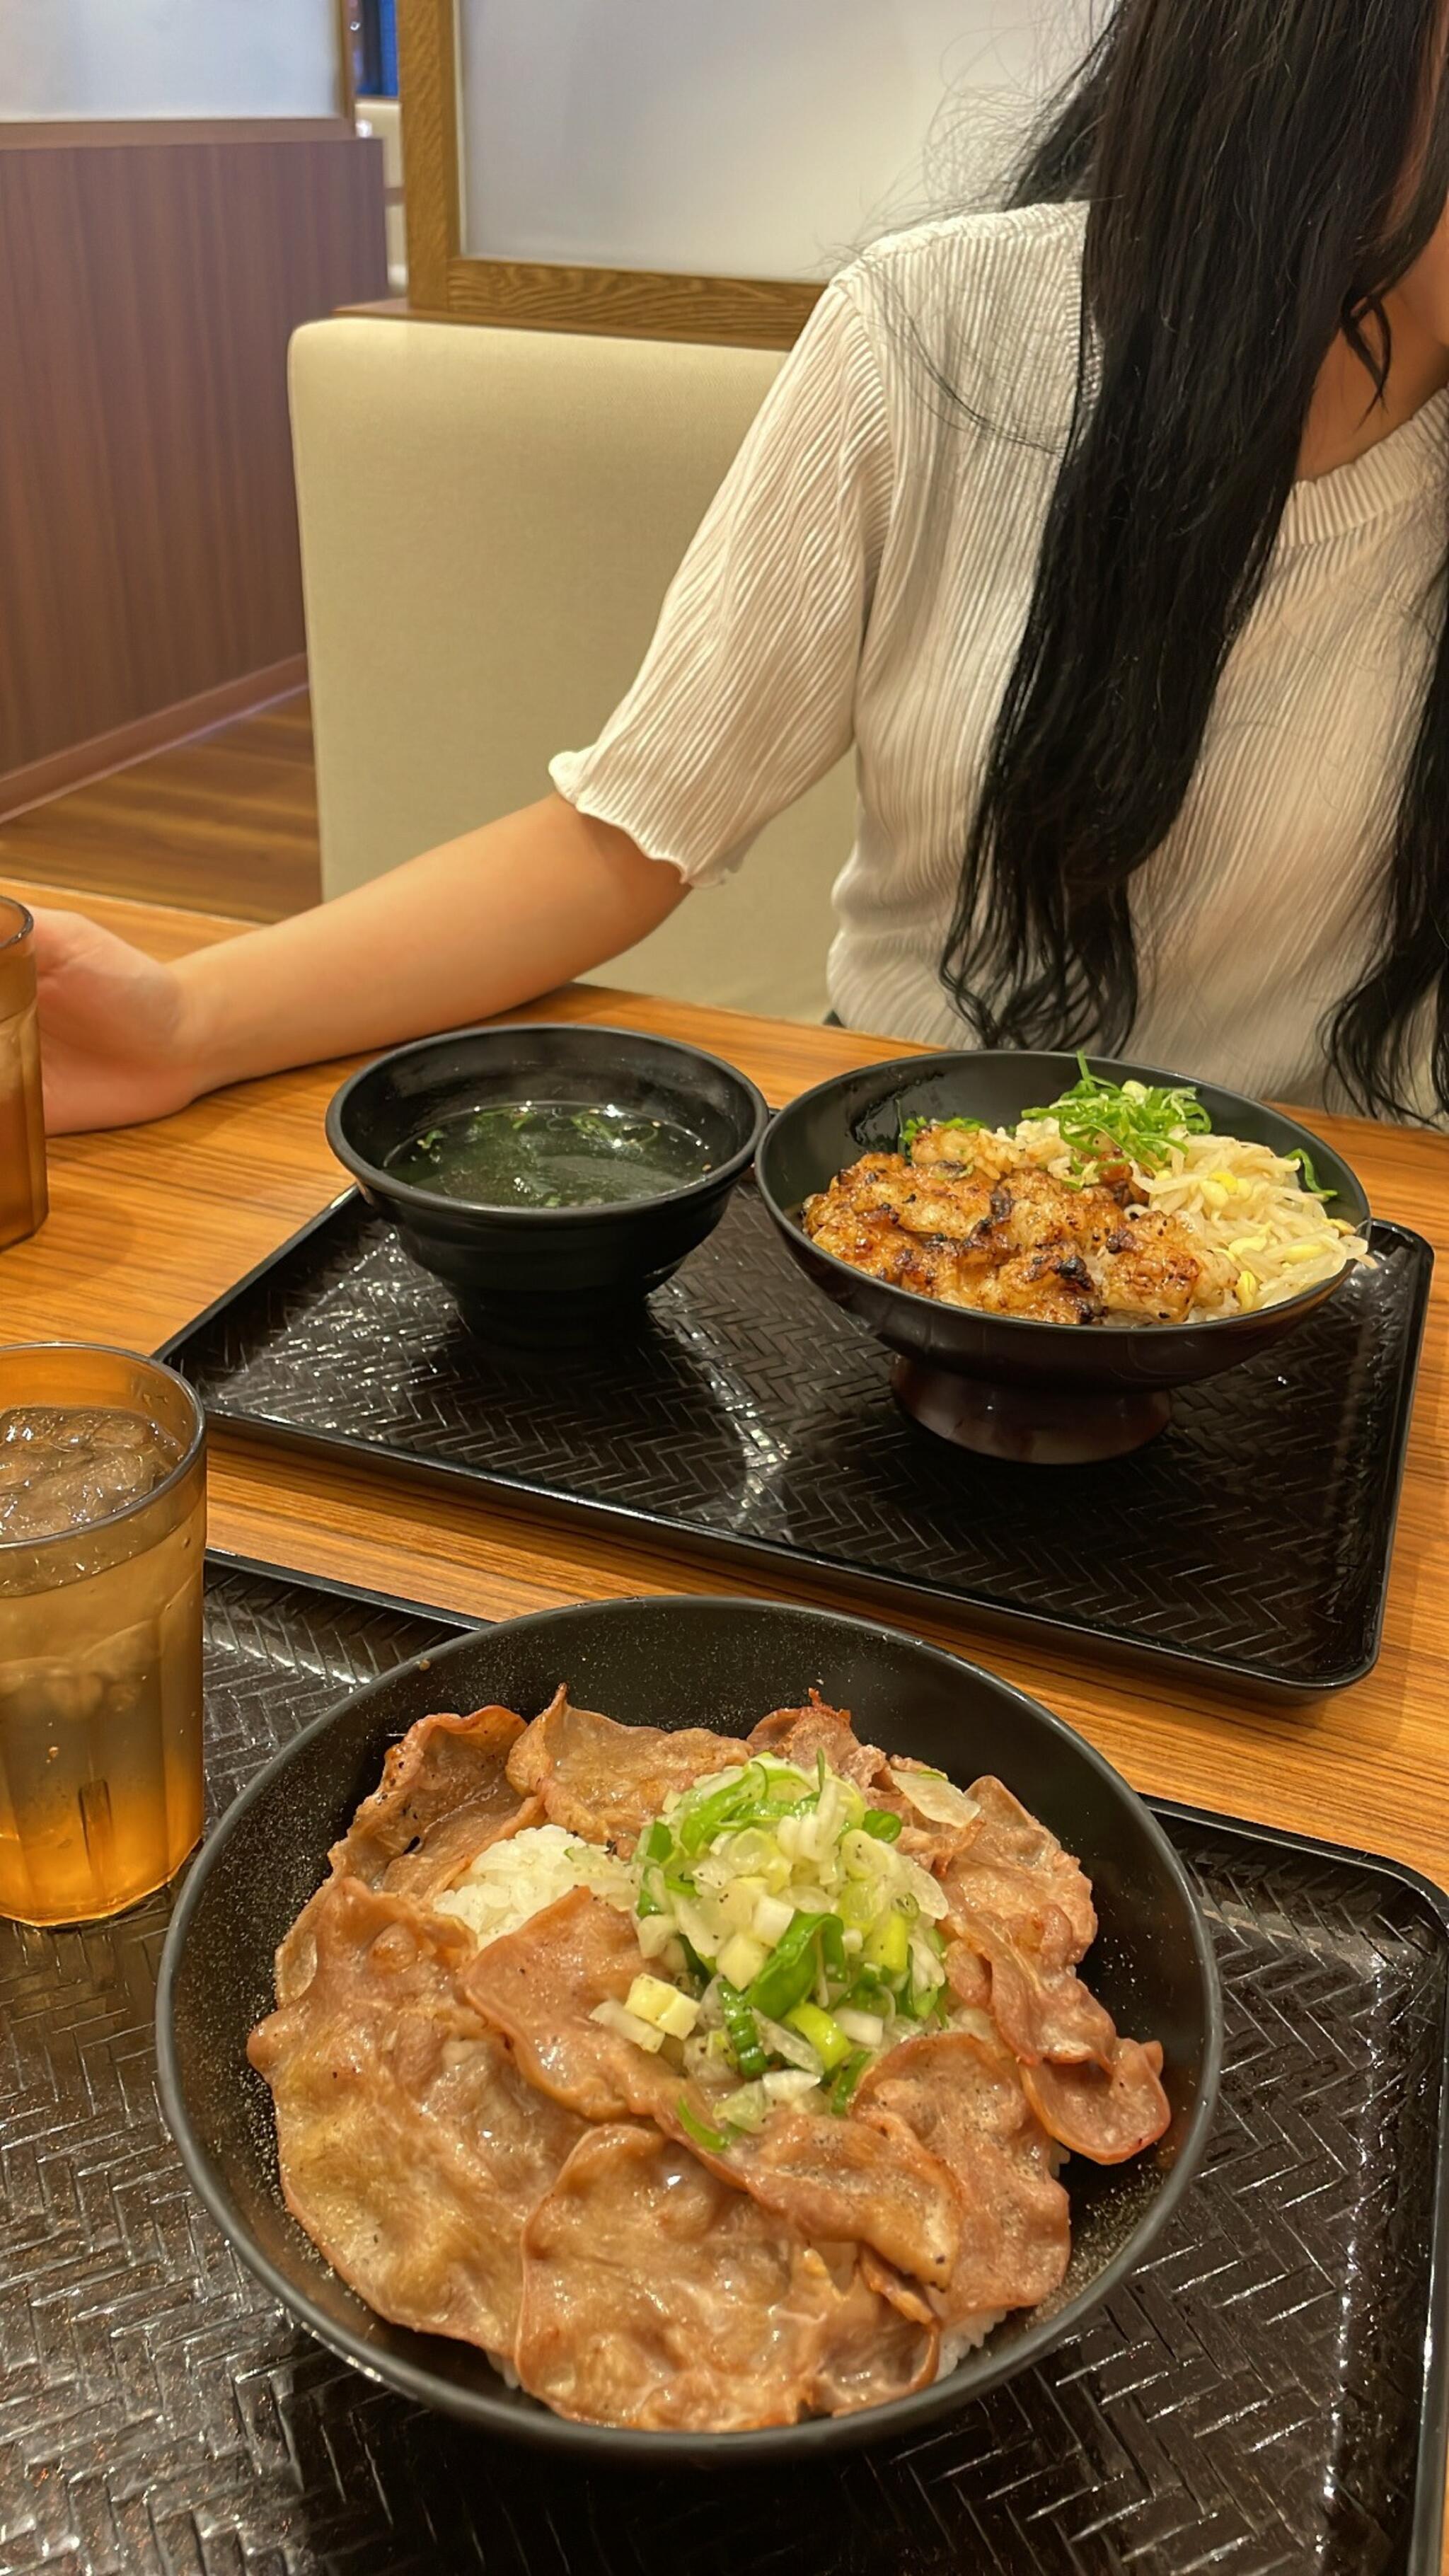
x: 484, y: 923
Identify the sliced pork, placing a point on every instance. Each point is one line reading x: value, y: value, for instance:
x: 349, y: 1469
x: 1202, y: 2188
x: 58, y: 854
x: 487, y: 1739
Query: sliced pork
x: 605, y: 1781
x: 1039, y: 2011
x: 801, y: 1735
x: 655, y: 2296
x: 1106, y: 2114
x: 1014, y: 1872
x: 443, y: 1798
x: 964, y: 2101
x: 411, y: 2149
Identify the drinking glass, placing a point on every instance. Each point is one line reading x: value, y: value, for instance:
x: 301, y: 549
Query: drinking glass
x: 23, y: 1200
x: 100, y: 1629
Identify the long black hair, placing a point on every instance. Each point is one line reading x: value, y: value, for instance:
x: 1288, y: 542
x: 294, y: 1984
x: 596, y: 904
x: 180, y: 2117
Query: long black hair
x: 1244, y: 162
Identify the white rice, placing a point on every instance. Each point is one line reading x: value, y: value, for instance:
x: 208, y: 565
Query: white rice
x: 966, y: 2338
x: 512, y: 1881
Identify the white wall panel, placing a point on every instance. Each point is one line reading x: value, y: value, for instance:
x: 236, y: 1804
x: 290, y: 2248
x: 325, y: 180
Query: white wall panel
x: 760, y: 138
x: 156, y: 58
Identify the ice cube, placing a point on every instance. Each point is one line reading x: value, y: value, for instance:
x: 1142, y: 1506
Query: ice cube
x: 62, y: 1468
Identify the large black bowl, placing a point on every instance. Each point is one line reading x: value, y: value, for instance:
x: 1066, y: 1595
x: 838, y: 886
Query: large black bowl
x: 722, y: 1664
x: 1049, y: 1394
x: 531, y: 1273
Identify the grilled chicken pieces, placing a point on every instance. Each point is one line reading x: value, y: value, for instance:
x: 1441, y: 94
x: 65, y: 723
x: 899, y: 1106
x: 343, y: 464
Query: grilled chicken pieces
x: 480, y: 2156
x: 973, y: 1222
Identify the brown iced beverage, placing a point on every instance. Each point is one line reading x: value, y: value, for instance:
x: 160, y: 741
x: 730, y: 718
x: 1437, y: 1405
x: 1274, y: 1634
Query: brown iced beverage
x: 23, y: 1200
x: 102, y: 1547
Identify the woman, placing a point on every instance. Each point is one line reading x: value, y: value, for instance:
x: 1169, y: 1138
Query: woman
x: 1112, y: 531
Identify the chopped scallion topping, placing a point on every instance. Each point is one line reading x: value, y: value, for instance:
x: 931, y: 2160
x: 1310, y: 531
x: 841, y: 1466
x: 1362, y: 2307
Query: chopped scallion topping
x: 913, y: 1127
x: 1311, y: 1182
x: 1131, y: 1122
x: 742, y: 2032
x: 713, y: 2140
x: 845, y: 2079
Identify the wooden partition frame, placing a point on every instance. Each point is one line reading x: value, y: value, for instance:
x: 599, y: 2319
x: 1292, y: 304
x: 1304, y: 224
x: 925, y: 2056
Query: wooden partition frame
x: 634, y: 303
x: 346, y: 59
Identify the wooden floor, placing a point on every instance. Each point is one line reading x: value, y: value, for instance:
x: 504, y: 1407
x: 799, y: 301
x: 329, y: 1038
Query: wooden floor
x: 224, y: 823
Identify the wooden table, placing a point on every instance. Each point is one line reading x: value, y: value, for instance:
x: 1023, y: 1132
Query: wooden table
x: 149, y: 1225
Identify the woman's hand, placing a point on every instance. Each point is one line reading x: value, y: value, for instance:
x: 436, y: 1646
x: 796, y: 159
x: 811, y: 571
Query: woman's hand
x: 114, y: 1035
x: 482, y: 924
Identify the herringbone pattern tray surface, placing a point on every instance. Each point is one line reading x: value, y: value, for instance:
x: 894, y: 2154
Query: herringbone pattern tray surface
x: 1254, y: 2403
x: 751, y: 1415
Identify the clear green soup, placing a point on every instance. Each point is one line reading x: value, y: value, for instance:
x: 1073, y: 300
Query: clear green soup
x: 551, y: 1154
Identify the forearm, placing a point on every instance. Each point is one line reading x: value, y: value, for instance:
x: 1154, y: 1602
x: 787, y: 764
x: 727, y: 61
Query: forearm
x: 477, y: 926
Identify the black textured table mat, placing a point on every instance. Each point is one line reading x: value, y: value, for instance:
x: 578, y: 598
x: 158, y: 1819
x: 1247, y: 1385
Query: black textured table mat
x: 748, y: 1415
x: 1259, y: 2401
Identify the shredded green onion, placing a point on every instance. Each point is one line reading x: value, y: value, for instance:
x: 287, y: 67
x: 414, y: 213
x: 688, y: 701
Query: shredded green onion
x: 1104, y: 1122
x: 1311, y: 1182
x: 813, y: 1941
x: 742, y: 2032
x: 714, y: 2140
x: 757, y: 1796
x: 913, y: 1127
x: 845, y: 2080
x: 773, y: 1897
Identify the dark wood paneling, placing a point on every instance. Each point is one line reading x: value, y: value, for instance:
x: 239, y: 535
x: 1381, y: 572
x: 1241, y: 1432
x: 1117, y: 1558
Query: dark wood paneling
x: 148, y: 541
x: 227, y: 822
x: 45, y: 133
x: 60, y: 771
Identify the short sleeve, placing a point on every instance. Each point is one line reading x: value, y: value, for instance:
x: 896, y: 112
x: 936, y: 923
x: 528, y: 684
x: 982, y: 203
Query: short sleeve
x: 747, y: 693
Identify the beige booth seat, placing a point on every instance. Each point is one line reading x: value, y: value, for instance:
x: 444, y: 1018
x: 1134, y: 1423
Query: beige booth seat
x: 489, y: 520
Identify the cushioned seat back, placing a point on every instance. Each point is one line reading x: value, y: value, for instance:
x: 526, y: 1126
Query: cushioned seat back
x: 489, y: 521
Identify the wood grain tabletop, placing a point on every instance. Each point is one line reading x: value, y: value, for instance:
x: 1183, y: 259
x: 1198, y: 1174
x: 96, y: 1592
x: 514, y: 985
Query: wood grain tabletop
x: 149, y: 1225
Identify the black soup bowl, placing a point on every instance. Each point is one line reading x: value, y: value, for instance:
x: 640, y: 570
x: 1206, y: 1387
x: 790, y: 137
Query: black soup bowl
x: 529, y: 1273
x: 1043, y: 1394
x: 678, y: 1662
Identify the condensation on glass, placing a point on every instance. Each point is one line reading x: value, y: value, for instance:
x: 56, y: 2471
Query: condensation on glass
x: 100, y: 1648
x: 23, y: 1200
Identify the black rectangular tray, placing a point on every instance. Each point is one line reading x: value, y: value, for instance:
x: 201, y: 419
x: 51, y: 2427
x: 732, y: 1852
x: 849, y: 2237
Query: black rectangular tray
x: 751, y: 1418
x: 1266, y: 2398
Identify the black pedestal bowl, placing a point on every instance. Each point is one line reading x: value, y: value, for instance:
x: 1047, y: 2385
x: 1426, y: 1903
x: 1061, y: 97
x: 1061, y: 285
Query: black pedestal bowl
x: 1042, y: 1394
x: 535, y: 1274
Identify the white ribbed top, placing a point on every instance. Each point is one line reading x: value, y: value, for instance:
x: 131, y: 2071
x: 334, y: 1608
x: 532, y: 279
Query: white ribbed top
x: 864, y: 576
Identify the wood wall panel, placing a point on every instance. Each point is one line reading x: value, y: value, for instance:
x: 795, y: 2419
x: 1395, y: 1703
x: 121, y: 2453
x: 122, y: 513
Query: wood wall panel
x: 148, y: 289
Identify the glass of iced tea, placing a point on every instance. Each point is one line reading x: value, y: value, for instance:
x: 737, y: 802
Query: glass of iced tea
x: 102, y: 1548
x: 23, y: 1200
